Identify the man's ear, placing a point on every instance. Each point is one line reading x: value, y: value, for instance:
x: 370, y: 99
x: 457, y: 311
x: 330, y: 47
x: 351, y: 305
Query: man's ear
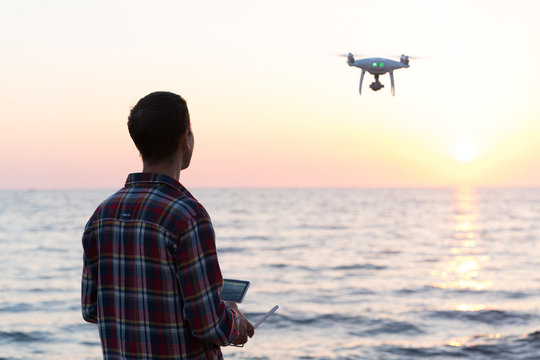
x: 184, y: 141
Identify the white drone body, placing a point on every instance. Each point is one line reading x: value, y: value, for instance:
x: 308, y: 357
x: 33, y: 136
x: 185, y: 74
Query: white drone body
x: 376, y: 67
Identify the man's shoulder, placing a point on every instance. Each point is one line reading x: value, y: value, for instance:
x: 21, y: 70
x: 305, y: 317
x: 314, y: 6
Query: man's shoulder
x: 173, y: 209
x: 185, y: 203
x: 105, y: 205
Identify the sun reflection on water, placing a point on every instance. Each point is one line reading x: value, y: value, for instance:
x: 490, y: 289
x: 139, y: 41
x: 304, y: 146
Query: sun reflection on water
x: 469, y: 341
x: 462, y: 268
x: 470, y: 307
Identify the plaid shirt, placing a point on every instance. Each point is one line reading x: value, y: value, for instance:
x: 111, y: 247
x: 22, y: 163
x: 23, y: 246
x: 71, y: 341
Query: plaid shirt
x: 151, y: 278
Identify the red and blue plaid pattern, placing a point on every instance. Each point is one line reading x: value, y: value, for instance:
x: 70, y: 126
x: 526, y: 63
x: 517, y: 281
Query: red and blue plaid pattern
x: 151, y: 278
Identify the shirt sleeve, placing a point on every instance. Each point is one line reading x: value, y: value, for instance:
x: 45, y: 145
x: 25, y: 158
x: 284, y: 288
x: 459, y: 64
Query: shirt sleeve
x: 200, y: 281
x: 89, y: 276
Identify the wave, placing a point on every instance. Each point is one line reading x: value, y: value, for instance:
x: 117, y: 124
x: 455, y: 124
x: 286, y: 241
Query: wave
x: 366, y: 266
x: 318, y: 269
x: 44, y: 305
x: 358, y: 325
x: 533, y: 337
x: 18, y: 336
x: 321, y: 320
x: 320, y: 227
x: 495, y: 317
x: 461, y: 292
x: 52, y: 249
x: 387, y: 326
x: 474, y: 347
x: 21, y: 307
x: 255, y: 238
x: 230, y: 249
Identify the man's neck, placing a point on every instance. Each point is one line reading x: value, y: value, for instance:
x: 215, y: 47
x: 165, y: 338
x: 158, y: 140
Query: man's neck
x: 163, y: 168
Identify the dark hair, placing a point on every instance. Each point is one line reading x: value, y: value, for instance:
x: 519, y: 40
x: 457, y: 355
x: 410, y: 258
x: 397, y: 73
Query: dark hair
x: 156, y: 124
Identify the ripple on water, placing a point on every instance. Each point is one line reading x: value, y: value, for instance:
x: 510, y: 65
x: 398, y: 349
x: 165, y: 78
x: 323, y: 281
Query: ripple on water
x: 21, y: 307
x: 23, y: 337
x: 495, y: 317
x: 388, y: 326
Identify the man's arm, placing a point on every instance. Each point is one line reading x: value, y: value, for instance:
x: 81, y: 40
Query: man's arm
x: 200, y: 280
x: 89, y: 285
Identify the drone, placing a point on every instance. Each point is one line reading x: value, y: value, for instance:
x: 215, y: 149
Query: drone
x: 376, y: 67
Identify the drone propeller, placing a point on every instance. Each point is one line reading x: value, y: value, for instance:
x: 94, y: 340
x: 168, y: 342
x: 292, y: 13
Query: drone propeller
x: 347, y: 55
x: 408, y: 56
x: 394, y: 56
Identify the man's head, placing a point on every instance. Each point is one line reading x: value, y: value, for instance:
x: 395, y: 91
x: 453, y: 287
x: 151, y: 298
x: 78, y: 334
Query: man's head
x: 159, y: 125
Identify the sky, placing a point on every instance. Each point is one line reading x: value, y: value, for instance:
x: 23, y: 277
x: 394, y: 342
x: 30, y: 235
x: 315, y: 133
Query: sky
x: 271, y: 103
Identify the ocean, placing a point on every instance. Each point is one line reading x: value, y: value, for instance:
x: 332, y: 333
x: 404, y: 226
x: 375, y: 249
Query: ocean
x: 357, y: 273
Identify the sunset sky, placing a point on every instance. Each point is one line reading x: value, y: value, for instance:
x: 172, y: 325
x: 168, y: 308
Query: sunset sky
x: 271, y: 104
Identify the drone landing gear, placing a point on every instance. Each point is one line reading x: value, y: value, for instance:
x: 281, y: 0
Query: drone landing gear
x: 376, y: 85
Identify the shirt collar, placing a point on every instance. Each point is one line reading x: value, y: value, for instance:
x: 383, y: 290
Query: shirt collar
x: 139, y: 178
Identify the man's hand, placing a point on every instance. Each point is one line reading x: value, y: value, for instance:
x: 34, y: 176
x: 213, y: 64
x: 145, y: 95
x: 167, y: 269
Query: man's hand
x: 246, y: 328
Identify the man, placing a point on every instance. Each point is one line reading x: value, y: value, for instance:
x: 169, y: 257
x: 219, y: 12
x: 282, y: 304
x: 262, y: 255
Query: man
x: 151, y: 278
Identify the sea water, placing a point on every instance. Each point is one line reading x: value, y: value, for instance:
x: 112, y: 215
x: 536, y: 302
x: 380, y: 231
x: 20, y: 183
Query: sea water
x: 357, y: 273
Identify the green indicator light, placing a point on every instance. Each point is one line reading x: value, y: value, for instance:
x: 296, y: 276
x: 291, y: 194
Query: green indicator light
x: 374, y: 64
x: 381, y: 64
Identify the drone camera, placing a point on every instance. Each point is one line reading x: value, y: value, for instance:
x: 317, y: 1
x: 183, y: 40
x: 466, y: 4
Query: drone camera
x: 376, y: 86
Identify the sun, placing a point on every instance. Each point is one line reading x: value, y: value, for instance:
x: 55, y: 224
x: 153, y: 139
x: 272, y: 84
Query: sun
x: 465, y: 152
